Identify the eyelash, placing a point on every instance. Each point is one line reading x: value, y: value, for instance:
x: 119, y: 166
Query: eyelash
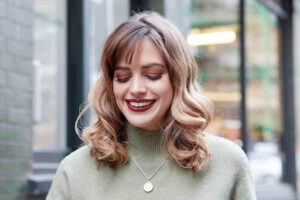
x: 122, y: 80
x: 152, y: 78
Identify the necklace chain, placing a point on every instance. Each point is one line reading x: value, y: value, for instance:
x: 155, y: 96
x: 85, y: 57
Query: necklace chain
x: 148, y: 177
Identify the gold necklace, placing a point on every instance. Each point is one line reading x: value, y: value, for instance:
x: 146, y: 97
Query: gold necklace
x: 148, y: 186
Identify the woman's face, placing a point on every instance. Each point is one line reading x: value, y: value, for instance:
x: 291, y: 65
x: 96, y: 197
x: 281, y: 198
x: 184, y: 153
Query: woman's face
x: 142, y: 89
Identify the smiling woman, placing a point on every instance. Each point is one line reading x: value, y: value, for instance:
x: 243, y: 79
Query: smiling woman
x: 143, y: 89
x: 148, y: 141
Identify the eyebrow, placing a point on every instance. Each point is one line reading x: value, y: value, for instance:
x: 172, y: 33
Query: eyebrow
x: 147, y: 66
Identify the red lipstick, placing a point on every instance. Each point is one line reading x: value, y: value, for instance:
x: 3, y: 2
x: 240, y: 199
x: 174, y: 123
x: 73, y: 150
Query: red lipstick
x: 139, y: 109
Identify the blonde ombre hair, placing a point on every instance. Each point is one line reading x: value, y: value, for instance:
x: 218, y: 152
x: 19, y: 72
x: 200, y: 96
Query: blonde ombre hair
x: 188, y: 115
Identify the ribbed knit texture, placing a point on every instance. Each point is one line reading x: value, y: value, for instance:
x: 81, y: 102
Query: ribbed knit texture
x: 144, y: 146
x: 225, y: 177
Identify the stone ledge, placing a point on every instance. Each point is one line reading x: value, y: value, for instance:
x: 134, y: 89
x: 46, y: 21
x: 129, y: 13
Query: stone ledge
x: 39, y: 184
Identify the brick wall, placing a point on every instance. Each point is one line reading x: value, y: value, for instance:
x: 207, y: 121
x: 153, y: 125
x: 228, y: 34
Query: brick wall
x: 16, y: 77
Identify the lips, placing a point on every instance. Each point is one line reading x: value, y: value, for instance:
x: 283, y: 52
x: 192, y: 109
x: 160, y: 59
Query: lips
x: 139, y: 105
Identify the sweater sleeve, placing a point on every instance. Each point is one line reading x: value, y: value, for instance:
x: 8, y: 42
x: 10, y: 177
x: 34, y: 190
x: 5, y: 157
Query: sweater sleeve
x: 244, y: 186
x: 60, y: 186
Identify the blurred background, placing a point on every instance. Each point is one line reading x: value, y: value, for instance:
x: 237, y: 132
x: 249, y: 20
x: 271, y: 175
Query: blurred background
x: 248, y: 54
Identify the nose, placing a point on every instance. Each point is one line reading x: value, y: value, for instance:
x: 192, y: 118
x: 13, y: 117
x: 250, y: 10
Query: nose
x: 137, y: 87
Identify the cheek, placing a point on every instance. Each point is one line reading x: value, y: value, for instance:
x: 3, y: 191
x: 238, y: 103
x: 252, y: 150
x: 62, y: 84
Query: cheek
x: 168, y: 96
x: 119, y: 92
x: 116, y: 91
x: 166, y: 87
x: 169, y: 92
x: 165, y: 91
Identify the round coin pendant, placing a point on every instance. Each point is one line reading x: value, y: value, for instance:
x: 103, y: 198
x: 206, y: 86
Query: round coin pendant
x: 148, y: 187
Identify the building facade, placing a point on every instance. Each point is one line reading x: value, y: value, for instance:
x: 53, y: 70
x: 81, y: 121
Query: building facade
x: 49, y: 57
x: 16, y: 94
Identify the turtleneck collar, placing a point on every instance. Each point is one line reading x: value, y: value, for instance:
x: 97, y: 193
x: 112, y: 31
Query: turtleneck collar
x: 143, y: 144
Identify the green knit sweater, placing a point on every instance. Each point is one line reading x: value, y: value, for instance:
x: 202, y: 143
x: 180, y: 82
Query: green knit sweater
x: 226, y: 176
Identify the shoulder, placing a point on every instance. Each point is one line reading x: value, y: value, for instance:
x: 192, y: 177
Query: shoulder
x: 223, y: 150
x: 70, y: 169
x: 78, y: 159
x: 230, y: 162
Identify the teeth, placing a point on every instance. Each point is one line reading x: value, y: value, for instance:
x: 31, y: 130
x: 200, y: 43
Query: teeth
x: 142, y: 104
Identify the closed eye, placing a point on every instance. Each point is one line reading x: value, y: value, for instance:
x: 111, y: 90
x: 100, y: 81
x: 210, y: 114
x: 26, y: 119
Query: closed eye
x: 123, y: 80
x: 154, y: 77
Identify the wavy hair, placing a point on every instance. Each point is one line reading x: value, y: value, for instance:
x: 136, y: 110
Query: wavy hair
x: 188, y: 115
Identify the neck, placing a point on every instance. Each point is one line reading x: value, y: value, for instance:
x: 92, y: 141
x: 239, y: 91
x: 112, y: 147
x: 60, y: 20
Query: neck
x: 145, y: 147
x: 143, y: 143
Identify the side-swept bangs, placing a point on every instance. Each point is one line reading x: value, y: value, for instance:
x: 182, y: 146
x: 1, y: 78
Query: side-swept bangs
x: 123, y: 42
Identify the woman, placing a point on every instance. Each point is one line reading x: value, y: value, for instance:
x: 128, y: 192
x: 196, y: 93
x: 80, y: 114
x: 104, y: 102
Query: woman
x: 149, y: 141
